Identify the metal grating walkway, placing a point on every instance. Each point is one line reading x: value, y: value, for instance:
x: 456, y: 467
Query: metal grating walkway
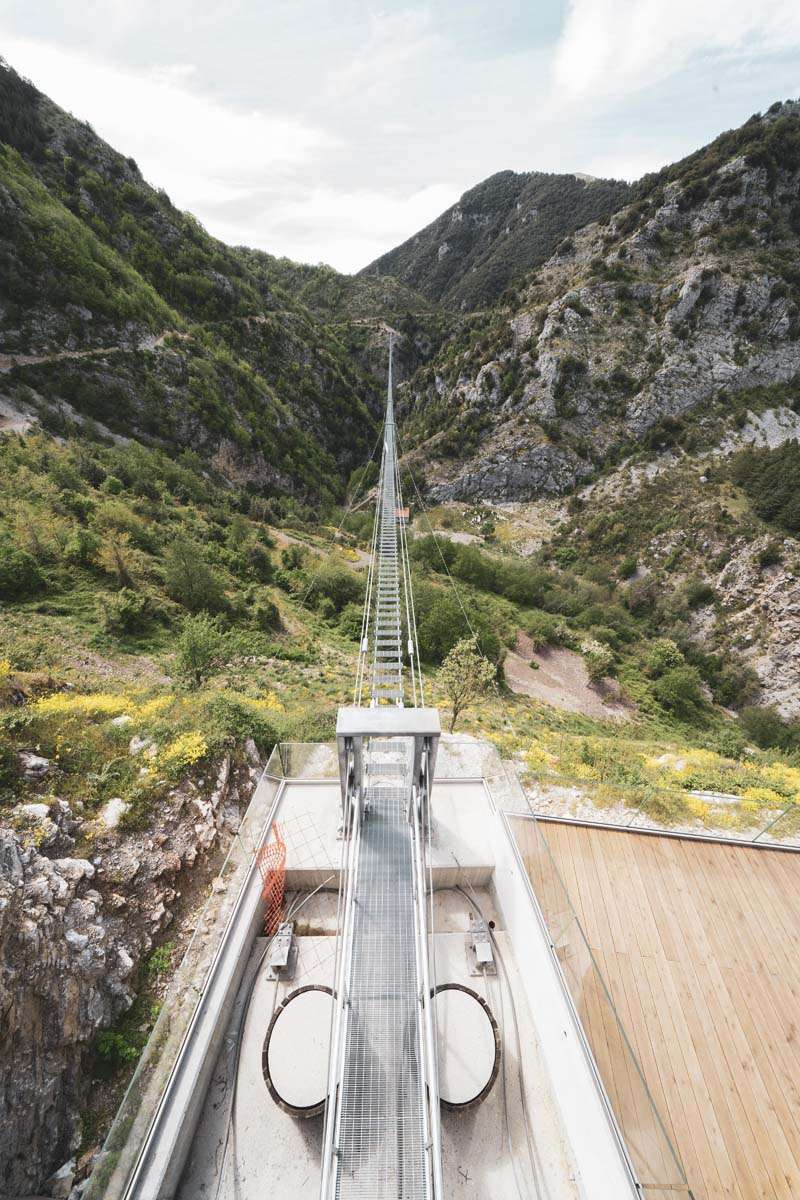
x: 381, y: 1134
x: 382, y: 1137
x: 386, y: 682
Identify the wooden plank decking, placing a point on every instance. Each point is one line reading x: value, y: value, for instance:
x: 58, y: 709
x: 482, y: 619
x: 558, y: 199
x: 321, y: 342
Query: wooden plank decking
x: 699, y: 945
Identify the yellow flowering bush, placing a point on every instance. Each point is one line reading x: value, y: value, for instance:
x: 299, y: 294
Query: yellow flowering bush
x: 765, y: 797
x: 184, y: 750
x: 91, y: 704
x: 266, y: 703
x: 5, y: 667
x: 704, y: 758
x: 784, y: 778
x: 696, y: 807
x: 154, y: 707
x: 538, y: 757
x: 583, y: 770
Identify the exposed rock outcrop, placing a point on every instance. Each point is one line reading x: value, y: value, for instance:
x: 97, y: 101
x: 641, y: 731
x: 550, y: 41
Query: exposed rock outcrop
x: 72, y: 932
x: 671, y: 306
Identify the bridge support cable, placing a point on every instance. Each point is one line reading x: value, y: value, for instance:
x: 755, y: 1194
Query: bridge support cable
x: 382, y: 1138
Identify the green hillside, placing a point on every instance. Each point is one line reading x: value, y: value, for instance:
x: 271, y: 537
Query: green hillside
x: 497, y: 231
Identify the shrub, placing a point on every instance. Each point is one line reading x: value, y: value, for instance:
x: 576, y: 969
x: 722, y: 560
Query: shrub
x: 293, y: 557
x: 641, y: 596
x: 771, y: 479
x: 266, y: 614
x: 201, y: 649
x: 128, y: 611
x: 336, y: 585
x: 350, y: 621
x: 254, y: 561
x: 19, y: 571
x: 598, y: 659
x: 116, y: 1051
x: 8, y: 769
x: 699, y: 592
x: 190, y: 580
x: 81, y: 546
x: 679, y: 691
x: 764, y: 726
x: 311, y: 725
x: 160, y: 961
x: 183, y: 751
x: 117, y: 558
x: 662, y: 656
x: 770, y: 555
x: 236, y: 718
x: 628, y: 566
x: 734, y: 684
x: 545, y: 628
x: 101, y: 705
x: 727, y: 742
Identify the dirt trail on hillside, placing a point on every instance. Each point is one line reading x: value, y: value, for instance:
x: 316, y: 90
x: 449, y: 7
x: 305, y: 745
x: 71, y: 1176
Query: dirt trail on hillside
x: 560, y: 678
x: 151, y: 342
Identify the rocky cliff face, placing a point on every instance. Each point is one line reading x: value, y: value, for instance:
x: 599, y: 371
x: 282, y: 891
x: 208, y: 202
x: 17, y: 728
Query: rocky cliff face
x: 74, y: 926
x: 668, y: 308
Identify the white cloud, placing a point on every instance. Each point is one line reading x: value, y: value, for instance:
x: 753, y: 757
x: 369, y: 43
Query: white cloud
x: 201, y: 151
x: 346, y: 228
x: 393, y: 43
x: 252, y: 178
x: 617, y: 46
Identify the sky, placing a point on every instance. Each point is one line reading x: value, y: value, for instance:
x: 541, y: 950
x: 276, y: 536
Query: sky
x: 332, y: 130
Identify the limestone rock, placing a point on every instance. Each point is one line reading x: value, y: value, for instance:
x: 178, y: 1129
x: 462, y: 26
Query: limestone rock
x: 34, y: 767
x: 112, y: 812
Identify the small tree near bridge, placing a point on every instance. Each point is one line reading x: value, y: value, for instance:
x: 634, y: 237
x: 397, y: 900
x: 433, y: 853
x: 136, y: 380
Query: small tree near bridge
x: 465, y: 675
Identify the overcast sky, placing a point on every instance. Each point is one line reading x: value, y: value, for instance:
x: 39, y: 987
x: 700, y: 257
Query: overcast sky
x: 331, y: 130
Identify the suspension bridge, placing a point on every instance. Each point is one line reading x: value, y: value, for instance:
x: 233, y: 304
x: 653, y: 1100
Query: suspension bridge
x: 401, y: 1029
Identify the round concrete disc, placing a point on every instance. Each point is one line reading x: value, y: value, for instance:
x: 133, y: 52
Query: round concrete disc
x: 469, y: 1046
x: 296, y: 1050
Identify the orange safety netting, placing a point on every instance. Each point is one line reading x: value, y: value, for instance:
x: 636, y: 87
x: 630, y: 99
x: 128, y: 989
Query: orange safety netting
x: 271, y: 859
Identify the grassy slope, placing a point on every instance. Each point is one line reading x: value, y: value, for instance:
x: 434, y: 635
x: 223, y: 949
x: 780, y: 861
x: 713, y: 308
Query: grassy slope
x: 91, y: 511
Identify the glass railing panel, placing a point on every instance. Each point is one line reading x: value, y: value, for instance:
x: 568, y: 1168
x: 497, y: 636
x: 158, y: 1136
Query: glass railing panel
x: 309, y: 760
x: 784, y: 829
x: 672, y: 809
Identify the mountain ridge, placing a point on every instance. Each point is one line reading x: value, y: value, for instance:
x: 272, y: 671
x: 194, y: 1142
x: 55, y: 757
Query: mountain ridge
x: 498, y: 229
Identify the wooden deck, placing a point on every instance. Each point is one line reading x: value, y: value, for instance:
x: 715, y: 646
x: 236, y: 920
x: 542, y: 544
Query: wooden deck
x: 699, y: 944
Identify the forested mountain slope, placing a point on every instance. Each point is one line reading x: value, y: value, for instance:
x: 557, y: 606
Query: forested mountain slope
x: 496, y: 232
x: 92, y: 258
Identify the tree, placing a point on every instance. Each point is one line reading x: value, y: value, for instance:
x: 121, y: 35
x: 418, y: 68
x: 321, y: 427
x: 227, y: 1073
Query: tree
x: 663, y: 655
x: 19, y: 571
x: 190, y: 580
x: 764, y: 725
x: 438, y: 628
x: 464, y: 675
x: 598, y: 659
x: 201, y: 648
x: 680, y: 691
